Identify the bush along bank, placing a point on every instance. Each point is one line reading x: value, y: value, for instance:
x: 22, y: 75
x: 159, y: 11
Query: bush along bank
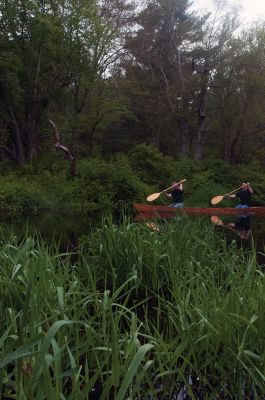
x: 118, y: 182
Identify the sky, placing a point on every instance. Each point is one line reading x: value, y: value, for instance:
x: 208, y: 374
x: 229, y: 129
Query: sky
x: 250, y: 9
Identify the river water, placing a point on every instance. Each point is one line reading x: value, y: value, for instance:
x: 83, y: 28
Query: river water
x: 69, y: 227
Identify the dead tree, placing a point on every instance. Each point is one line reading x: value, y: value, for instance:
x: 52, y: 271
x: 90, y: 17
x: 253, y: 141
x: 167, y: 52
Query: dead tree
x: 57, y: 144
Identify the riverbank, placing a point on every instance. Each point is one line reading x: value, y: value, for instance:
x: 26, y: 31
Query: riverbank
x: 119, y: 181
x: 133, y: 313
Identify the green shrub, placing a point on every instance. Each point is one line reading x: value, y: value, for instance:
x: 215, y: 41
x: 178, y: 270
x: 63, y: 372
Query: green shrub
x: 151, y: 166
x: 122, y: 180
x: 219, y: 169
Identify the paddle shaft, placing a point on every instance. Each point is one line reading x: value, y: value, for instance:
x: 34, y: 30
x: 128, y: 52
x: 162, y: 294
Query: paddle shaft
x: 155, y: 196
x: 233, y: 191
x: 215, y: 200
x: 219, y: 222
x: 171, y: 187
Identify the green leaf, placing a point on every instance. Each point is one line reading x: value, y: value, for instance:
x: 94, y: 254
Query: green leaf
x: 22, y: 351
x: 134, y: 365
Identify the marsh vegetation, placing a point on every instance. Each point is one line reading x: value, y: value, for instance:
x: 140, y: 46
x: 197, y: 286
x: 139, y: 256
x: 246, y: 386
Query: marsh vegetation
x: 137, y: 313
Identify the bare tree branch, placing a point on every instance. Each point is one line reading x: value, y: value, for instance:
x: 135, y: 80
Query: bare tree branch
x: 58, y: 145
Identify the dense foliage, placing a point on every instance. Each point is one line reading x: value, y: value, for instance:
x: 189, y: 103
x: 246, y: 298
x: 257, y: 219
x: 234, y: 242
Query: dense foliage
x: 112, y: 75
x: 132, y: 315
x: 133, y: 96
x: 116, y: 183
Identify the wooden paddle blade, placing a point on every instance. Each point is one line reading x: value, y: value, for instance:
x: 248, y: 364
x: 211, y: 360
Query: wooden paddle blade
x: 153, y: 226
x: 216, y: 220
x: 153, y: 196
x: 215, y: 200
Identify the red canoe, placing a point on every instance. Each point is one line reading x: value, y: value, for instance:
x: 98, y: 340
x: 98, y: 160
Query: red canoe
x: 165, y: 212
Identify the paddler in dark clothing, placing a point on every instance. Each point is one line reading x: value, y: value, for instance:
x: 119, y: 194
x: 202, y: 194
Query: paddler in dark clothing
x: 244, y: 194
x: 176, y: 195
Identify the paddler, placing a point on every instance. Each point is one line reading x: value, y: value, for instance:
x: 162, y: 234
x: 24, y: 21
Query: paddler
x: 176, y: 195
x: 244, y: 194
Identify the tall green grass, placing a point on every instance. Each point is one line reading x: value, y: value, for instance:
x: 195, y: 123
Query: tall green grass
x: 141, y: 313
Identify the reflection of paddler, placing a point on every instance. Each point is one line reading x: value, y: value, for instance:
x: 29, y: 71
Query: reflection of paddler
x: 243, y: 223
x: 241, y: 226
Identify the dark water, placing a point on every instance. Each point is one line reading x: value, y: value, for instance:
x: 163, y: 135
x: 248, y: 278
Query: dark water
x: 66, y: 228
x: 69, y: 227
x: 247, y: 232
x: 245, y: 228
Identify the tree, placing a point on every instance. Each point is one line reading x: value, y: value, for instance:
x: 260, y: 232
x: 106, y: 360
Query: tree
x: 161, y: 49
x: 54, y: 55
x: 239, y: 97
x: 96, y: 37
x: 31, y: 58
x: 218, y: 30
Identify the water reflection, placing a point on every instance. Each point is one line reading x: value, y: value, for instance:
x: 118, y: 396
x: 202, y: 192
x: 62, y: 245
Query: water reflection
x: 244, y: 229
x: 247, y: 231
x: 241, y: 225
x: 65, y: 228
x: 69, y: 227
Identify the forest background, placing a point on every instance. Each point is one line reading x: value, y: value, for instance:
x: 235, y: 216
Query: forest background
x: 105, y: 101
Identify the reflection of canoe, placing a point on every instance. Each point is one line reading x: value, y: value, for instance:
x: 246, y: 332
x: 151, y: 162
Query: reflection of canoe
x: 167, y: 212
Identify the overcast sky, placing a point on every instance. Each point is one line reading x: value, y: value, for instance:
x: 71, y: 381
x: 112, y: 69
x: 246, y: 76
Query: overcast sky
x: 250, y: 9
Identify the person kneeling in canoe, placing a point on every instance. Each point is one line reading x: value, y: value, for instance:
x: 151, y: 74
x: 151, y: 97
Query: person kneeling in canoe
x: 244, y: 194
x: 176, y: 195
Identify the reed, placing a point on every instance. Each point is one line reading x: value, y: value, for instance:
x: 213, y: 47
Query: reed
x: 140, y: 313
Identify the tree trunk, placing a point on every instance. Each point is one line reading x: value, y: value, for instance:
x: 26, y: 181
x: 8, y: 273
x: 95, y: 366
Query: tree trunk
x: 200, y: 136
x: 201, y: 111
x: 231, y: 148
x: 18, y: 135
x: 185, y: 136
x: 73, y: 170
x: 230, y: 151
x: 31, y: 151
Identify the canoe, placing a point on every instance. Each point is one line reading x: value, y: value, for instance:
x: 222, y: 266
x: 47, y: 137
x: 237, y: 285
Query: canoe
x: 167, y: 212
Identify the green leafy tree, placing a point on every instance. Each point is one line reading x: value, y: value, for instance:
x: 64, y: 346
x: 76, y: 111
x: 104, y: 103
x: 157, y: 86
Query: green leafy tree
x: 161, y: 51
x: 96, y: 46
x: 239, y: 98
x: 54, y: 55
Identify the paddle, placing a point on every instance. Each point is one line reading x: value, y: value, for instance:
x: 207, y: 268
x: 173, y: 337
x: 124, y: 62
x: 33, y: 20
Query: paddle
x: 215, y: 200
x: 153, y: 226
x: 242, y: 233
x: 216, y: 220
x: 155, y: 196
